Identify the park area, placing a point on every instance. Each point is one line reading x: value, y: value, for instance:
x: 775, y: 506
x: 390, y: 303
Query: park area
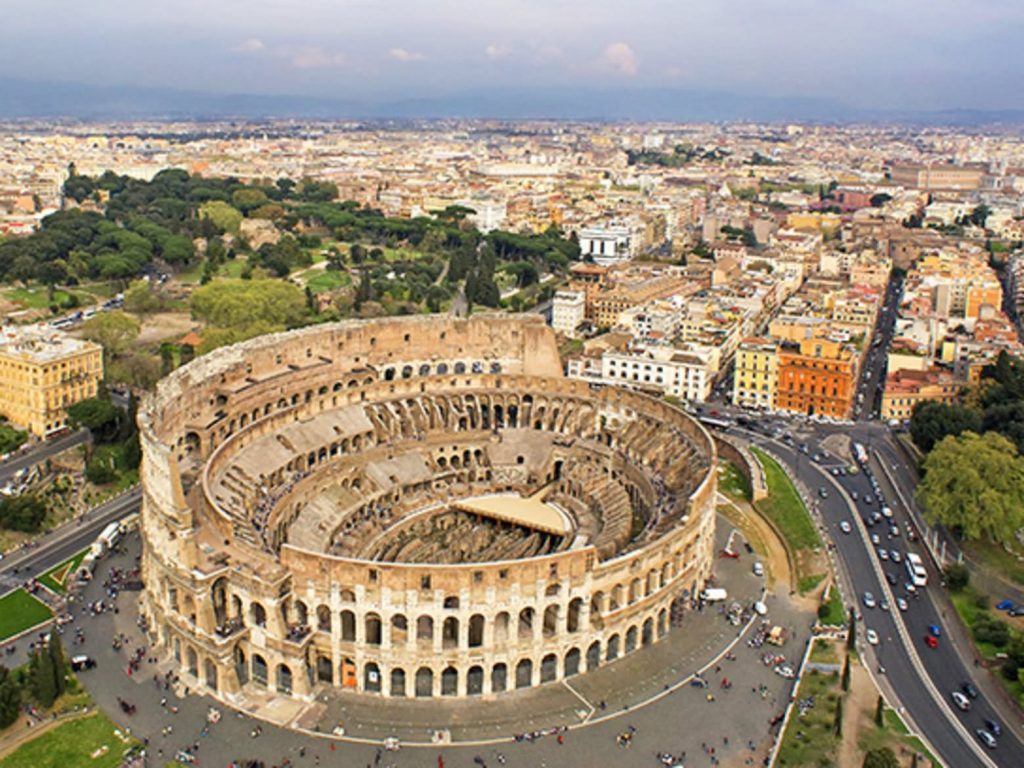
x: 92, y: 740
x: 20, y: 611
x: 56, y: 579
x: 785, y: 509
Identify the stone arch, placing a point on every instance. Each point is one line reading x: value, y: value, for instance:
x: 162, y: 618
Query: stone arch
x: 373, y: 629
x: 324, y: 669
x: 399, y: 630
x: 348, y: 626
x: 501, y: 622
x: 551, y: 620
x: 635, y: 590
x: 449, y: 681
x: 259, y: 670
x: 347, y: 673
x: 572, y: 618
x: 425, y: 629
x: 524, y: 673
x: 631, y: 638
x: 594, y: 655
x: 323, y: 618
x: 450, y: 632
x: 371, y: 678
x: 424, y: 682
x: 572, y: 663
x: 499, y: 677
x: 647, y: 632
x: 526, y: 617
x: 397, y: 682
x: 612, y: 648
x: 241, y: 667
x: 219, y: 599
x: 301, y: 613
x: 192, y: 662
x: 476, y: 630
x: 283, y: 679
x: 210, y: 674
x: 258, y: 615
x: 662, y: 622
x: 451, y: 601
x: 549, y: 668
x: 475, y: 680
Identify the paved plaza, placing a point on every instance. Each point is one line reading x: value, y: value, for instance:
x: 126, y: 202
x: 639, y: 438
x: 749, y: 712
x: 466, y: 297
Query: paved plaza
x: 647, y: 691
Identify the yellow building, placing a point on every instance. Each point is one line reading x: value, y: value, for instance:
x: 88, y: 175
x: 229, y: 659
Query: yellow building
x: 756, y: 374
x: 42, y: 371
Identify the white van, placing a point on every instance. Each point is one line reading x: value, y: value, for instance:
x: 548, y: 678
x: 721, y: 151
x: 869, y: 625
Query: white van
x: 758, y: 569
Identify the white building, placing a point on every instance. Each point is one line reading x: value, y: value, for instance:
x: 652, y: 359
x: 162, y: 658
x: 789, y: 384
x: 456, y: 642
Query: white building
x: 488, y: 215
x: 686, y: 372
x: 609, y: 244
x: 568, y: 310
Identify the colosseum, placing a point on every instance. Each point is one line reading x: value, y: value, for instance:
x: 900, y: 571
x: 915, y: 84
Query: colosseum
x: 416, y: 507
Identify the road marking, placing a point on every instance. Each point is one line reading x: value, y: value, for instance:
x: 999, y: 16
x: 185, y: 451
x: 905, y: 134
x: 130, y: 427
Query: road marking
x: 590, y: 707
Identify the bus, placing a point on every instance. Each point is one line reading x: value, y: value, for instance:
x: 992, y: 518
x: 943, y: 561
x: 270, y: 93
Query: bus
x: 860, y: 454
x: 916, y: 571
x: 710, y: 421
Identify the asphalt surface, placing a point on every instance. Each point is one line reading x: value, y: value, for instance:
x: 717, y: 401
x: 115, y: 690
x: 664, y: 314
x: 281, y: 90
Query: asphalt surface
x: 943, y: 665
x: 40, y: 452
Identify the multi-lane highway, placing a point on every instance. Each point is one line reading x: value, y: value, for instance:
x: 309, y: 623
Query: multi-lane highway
x: 38, y: 453
x: 921, y: 677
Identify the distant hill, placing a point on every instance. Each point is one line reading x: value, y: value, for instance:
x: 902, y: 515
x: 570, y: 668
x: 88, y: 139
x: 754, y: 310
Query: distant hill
x: 26, y: 99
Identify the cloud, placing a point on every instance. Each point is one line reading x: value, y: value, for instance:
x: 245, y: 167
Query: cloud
x: 252, y: 45
x: 401, y: 54
x: 620, y: 58
x: 311, y: 57
x: 547, y: 54
x: 495, y: 51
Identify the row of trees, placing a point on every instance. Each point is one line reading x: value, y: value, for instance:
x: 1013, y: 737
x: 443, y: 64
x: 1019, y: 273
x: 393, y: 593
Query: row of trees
x: 44, y: 680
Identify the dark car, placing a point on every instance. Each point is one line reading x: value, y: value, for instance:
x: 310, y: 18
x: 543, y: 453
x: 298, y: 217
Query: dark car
x: 994, y: 726
x: 891, y: 578
x: 78, y: 663
x: 969, y: 689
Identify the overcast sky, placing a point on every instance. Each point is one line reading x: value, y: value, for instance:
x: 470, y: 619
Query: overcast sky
x: 920, y: 54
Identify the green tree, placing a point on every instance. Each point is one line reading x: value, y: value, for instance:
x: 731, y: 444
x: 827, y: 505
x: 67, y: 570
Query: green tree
x: 881, y: 758
x: 957, y: 577
x: 56, y: 653
x: 225, y: 216
x: 248, y: 199
x: 99, y: 414
x: 837, y: 721
x: 851, y: 632
x: 166, y: 358
x: 114, y: 331
x: 10, y: 698
x: 42, y: 678
x: 880, y: 712
x: 846, y: 674
x: 931, y: 421
x: 24, y: 513
x: 975, y: 484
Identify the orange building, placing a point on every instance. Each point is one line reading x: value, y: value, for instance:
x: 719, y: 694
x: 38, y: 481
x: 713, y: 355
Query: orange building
x: 590, y: 279
x: 816, y: 377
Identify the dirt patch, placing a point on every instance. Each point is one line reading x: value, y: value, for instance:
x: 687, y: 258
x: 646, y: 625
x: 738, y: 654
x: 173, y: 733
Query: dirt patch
x: 859, y: 715
x: 838, y: 444
x: 762, y: 538
x: 165, y: 325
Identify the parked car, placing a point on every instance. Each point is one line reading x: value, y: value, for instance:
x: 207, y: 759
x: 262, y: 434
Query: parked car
x: 1005, y: 605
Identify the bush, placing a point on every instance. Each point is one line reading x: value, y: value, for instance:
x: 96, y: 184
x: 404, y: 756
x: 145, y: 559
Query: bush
x: 1010, y: 669
x: 100, y: 471
x: 990, y: 630
x: 23, y: 513
x: 957, y: 577
x: 823, y: 611
x: 981, y: 601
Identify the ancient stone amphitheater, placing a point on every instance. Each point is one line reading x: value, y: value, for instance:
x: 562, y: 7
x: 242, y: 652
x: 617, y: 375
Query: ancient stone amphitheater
x: 419, y: 507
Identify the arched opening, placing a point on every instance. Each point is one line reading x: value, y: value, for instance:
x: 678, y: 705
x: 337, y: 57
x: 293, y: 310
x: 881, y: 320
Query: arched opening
x: 475, y: 681
x: 635, y: 590
x: 647, y: 633
x: 259, y: 670
x: 348, y: 626
x: 323, y: 618
x: 450, y: 633
x: 373, y: 629
x: 348, y: 673
x: 424, y: 683
x: 258, y: 615
x: 301, y: 613
x: 371, y: 678
x: 572, y: 619
x: 210, y: 674
x: 526, y: 623
x: 219, y: 598
x: 594, y: 655
x: 241, y: 668
x: 451, y: 602
x: 499, y: 678
x: 550, y: 620
x: 399, y: 630
x: 572, y: 662
x: 449, y: 682
x: 612, y: 649
x: 501, y: 628
x: 662, y: 622
x: 324, y: 670
x: 397, y: 682
x: 549, y: 668
x: 284, y: 679
x: 193, y: 662
x: 631, y: 639
x: 524, y: 674
x: 476, y: 630
x: 425, y: 630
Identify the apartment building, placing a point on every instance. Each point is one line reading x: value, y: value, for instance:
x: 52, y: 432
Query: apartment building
x: 756, y: 374
x: 904, y: 389
x: 568, y: 310
x: 42, y: 372
x: 816, y: 376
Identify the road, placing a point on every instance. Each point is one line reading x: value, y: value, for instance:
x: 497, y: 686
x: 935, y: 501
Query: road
x: 869, y: 389
x: 929, y: 707
x: 39, y: 453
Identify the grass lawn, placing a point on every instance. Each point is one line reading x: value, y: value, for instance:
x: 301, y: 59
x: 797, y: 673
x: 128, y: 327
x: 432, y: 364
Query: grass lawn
x: 74, y: 744
x: 37, y: 297
x: 785, y: 507
x: 996, y: 559
x: 836, y: 611
x: 324, y: 280
x: 56, y: 578
x: 824, y: 653
x: 732, y: 482
x: 20, y: 611
x: 966, y: 604
x: 810, y: 739
x: 894, y: 734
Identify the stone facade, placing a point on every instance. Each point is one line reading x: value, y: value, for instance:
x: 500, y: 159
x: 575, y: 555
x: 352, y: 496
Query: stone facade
x: 281, y: 477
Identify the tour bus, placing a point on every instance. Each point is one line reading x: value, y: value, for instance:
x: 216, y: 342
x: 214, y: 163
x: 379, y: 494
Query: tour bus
x: 860, y: 454
x: 915, y: 568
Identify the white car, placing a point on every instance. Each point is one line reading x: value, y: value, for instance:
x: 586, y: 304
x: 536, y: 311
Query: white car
x: 875, y: 539
x: 845, y: 527
x: 872, y: 636
x: 901, y: 604
x: 961, y: 701
x: 883, y: 554
x: 895, y: 556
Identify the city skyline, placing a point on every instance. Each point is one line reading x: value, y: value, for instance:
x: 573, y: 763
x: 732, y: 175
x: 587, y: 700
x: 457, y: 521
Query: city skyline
x: 806, y: 59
